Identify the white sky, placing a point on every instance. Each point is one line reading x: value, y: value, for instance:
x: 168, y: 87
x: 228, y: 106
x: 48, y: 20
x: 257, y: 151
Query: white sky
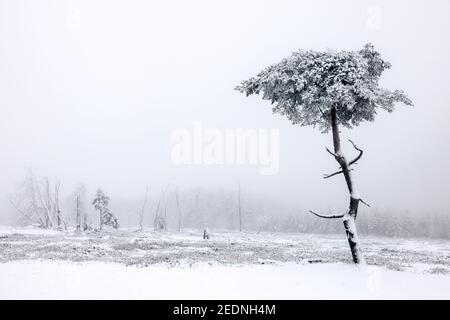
x: 97, y: 103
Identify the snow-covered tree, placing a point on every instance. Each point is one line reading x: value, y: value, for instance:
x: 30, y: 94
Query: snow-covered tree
x: 141, y: 212
x: 327, y: 90
x: 77, y: 203
x: 37, y: 204
x: 160, y: 216
x: 180, y: 224
x: 101, y: 202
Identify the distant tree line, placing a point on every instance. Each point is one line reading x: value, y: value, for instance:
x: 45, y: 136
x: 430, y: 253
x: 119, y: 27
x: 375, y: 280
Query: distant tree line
x: 36, y: 202
x: 384, y: 223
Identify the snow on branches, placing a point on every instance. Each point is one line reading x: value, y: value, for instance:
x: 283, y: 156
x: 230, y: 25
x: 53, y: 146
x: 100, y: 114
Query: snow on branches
x: 305, y: 86
x: 101, y: 202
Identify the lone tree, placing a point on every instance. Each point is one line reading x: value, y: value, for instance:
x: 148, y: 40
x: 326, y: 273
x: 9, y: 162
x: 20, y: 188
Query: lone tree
x: 326, y: 90
x: 101, y: 202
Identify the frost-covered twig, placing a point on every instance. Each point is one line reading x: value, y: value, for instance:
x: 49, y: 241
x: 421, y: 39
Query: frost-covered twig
x: 360, y: 153
x: 332, y: 153
x: 364, y: 202
x: 327, y: 217
x: 19, y: 210
x: 326, y: 176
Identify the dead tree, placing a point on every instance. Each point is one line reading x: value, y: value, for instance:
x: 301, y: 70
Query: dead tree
x: 37, y: 204
x: 56, y: 208
x: 197, y: 214
x: 78, y: 214
x: 141, y: 213
x: 46, y: 203
x: 80, y: 210
x: 25, y: 203
x: 180, y: 226
x: 36, y: 211
x: 159, y: 219
x: 206, y: 234
x: 325, y: 90
x: 239, y: 208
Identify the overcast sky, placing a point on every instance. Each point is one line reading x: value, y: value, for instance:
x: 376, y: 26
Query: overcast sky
x: 90, y: 91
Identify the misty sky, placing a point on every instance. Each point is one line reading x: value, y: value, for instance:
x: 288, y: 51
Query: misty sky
x: 95, y: 99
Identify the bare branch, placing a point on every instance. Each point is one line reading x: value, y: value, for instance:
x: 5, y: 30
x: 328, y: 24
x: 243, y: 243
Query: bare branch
x: 327, y: 176
x: 159, y: 219
x: 45, y: 201
x: 326, y: 217
x: 364, y: 202
x: 321, y: 111
x: 22, y: 213
x: 332, y: 153
x: 359, y: 156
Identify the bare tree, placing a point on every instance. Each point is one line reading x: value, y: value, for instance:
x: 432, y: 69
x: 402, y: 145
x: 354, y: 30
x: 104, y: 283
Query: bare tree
x: 56, y: 207
x: 198, y: 214
x: 78, y: 196
x: 159, y: 219
x: 141, y: 213
x: 46, y: 202
x: 239, y: 208
x: 78, y: 214
x: 31, y: 192
x: 24, y: 202
x: 180, y: 225
x: 36, y: 204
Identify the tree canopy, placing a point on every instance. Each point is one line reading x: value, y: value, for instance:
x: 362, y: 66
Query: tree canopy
x: 308, y: 84
x: 101, y: 200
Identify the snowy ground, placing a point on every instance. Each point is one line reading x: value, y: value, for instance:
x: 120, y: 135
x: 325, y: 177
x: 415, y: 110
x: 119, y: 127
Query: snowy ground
x: 41, y: 264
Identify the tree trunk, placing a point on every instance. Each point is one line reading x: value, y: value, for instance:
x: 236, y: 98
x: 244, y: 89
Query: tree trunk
x: 141, y: 213
x: 349, y: 218
x: 101, y: 219
x: 57, y: 209
x: 239, y: 208
x: 78, y: 214
x: 180, y: 226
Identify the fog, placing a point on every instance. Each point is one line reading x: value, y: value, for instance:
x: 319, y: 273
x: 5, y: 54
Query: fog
x: 91, y: 91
